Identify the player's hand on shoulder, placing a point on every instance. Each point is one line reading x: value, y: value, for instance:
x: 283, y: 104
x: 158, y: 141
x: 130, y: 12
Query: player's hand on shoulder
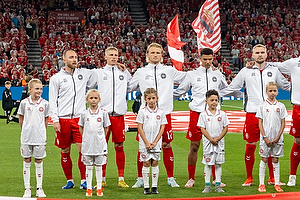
x: 121, y: 66
x: 250, y: 64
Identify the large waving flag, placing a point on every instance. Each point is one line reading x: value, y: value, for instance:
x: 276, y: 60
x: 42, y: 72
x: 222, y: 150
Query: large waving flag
x: 174, y: 44
x: 207, y: 26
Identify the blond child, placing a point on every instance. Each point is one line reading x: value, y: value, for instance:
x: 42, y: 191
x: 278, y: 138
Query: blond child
x: 33, y: 118
x: 271, y: 121
x: 93, y: 126
x: 151, y: 122
x: 214, y: 126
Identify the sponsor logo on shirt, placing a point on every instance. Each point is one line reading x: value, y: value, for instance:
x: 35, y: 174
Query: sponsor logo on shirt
x: 105, y: 78
x: 214, y: 79
x: 147, y: 77
x: 267, y: 110
x: 80, y: 77
x: 253, y: 74
x: 65, y: 80
x: 198, y: 79
x: 28, y: 108
x: 121, y: 77
x: 163, y: 76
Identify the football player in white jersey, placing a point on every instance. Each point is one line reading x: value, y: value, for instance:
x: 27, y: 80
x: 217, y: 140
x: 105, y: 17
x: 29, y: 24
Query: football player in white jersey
x: 271, y: 116
x: 151, y: 123
x: 214, y: 126
x: 93, y: 125
x: 33, y: 118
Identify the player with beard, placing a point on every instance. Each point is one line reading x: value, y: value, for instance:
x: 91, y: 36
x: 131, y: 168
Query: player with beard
x: 254, y: 81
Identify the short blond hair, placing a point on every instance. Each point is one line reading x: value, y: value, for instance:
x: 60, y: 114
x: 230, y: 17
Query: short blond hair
x: 90, y: 91
x: 271, y: 83
x: 259, y: 45
x: 34, y: 81
x: 154, y: 44
x: 110, y: 49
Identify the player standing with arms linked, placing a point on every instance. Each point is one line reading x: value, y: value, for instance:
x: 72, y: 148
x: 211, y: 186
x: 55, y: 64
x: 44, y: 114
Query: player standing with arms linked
x: 112, y: 84
x: 254, y: 81
x: 33, y: 118
x: 67, y: 101
x: 161, y: 78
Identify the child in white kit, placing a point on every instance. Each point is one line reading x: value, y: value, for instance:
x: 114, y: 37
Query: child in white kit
x: 271, y: 121
x: 214, y: 126
x: 33, y: 118
x: 93, y: 125
x: 151, y: 123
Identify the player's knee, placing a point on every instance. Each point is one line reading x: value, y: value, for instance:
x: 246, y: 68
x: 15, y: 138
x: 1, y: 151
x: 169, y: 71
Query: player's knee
x: 265, y: 160
x: 166, y: 144
x: 275, y: 160
x: 65, y: 150
x: 194, y: 147
x: 27, y: 160
x: 297, y: 140
x: 118, y: 144
x: 146, y: 164
x: 38, y: 160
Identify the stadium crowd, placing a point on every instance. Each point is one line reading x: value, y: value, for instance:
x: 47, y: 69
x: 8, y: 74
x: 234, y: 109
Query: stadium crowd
x: 245, y: 23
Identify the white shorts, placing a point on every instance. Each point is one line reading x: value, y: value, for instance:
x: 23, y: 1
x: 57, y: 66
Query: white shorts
x: 94, y: 160
x: 37, y: 151
x: 213, y: 158
x: 145, y: 156
x: 274, y: 151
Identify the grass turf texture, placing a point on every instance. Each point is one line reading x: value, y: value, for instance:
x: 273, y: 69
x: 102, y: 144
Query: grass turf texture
x: 234, y: 173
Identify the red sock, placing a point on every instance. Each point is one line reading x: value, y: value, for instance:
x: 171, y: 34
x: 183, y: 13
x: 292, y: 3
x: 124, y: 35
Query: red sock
x: 66, y: 164
x: 249, y: 159
x: 213, y: 169
x: 294, y: 157
x: 271, y: 169
x: 104, y: 170
x: 120, y: 160
x: 191, y: 170
x: 81, y: 167
x: 139, y: 165
x: 168, y: 161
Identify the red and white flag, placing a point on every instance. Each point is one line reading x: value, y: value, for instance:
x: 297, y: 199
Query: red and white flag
x: 174, y: 44
x: 207, y: 26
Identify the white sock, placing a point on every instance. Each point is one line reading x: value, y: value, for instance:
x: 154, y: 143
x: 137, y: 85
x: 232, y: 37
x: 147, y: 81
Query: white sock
x: 276, y: 167
x: 145, y: 172
x: 99, y: 176
x: 262, y: 172
x: 89, y: 176
x: 121, y: 178
x: 218, y: 172
x: 26, y: 174
x: 207, y: 173
x: 39, y: 174
x: 155, y: 173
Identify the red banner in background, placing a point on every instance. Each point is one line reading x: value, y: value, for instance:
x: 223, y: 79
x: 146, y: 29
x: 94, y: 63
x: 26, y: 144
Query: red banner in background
x: 67, y: 16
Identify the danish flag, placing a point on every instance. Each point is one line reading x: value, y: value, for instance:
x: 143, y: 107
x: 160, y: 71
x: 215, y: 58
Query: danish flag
x: 207, y: 26
x: 174, y: 43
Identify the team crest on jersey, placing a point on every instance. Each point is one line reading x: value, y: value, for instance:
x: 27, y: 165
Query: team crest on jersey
x: 41, y: 109
x: 278, y: 110
x: 87, y: 119
x: 99, y: 119
x: 80, y: 77
x: 207, y: 160
x: 261, y: 151
x: 163, y: 76
x: 198, y: 79
x: 143, y: 156
x: 121, y: 77
x: 219, y: 119
x: 105, y: 78
x: 158, y: 117
x: 269, y: 74
x: 214, y: 79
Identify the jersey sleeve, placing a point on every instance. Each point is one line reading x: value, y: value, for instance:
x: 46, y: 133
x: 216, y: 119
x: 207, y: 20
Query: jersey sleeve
x: 285, y: 67
x: 93, y: 79
x: 282, y: 82
x: 259, y: 113
x: 225, y: 121
x: 283, y: 112
x: 81, y: 120
x: 163, y: 118
x: 133, y: 84
x: 201, y: 120
x: 106, y: 121
x: 140, y: 117
x: 47, y: 110
x: 236, y: 84
x: 21, y: 110
x: 53, y: 97
x: 178, y: 75
x: 184, y: 87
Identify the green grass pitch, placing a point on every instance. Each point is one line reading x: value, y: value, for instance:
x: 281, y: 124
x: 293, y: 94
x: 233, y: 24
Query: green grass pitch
x: 234, y: 173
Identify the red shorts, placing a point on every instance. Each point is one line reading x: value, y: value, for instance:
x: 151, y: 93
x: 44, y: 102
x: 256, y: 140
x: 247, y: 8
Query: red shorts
x: 117, y: 128
x: 168, y: 132
x: 194, y: 131
x: 295, y: 127
x: 251, y: 131
x: 69, y: 133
